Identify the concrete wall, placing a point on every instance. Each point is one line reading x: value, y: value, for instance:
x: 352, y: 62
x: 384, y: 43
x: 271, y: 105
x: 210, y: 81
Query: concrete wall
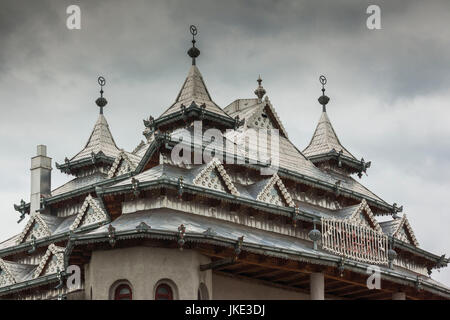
x: 228, y: 288
x: 143, y: 268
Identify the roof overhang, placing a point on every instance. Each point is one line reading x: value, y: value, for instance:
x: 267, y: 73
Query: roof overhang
x: 353, y: 165
x: 191, y: 113
x: 318, y: 257
x: 70, y: 167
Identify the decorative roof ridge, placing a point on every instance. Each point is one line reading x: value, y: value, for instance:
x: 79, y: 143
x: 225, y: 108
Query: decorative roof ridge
x: 51, y: 250
x: 285, y: 171
x: 405, y: 222
x: 276, y: 180
x: 89, y: 201
x: 121, y: 156
x: 215, y: 163
x: 34, y: 216
x: 9, y: 275
x: 364, y: 206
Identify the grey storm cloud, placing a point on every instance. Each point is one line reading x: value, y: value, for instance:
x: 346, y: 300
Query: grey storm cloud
x: 388, y: 88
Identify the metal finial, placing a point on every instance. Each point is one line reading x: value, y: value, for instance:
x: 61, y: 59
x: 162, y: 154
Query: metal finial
x: 260, y: 91
x: 193, y: 52
x: 101, y: 102
x: 323, y: 100
x: 259, y: 80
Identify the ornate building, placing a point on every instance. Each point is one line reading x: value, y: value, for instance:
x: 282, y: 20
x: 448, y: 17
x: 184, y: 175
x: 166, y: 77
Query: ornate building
x: 142, y: 225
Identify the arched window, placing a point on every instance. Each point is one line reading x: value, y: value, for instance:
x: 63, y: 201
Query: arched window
x: 123, y: 292
x: 163, y: 292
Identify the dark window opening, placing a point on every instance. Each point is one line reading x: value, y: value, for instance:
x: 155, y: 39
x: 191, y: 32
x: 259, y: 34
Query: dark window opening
x: 163, y: 292
x: 123, y: 292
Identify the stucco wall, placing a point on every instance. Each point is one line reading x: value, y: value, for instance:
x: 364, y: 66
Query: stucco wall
x: 143, y: 267
x: 228, y: 288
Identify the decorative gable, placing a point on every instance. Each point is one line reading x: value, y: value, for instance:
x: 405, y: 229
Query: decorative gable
x: 275, y: 192
x: 122, y: 164
x: 6, y: 277
x: 262, y: 120
x: 364, y: 216
x: 91, y: 212
x: 265, y: 117
x: 214, y: 176
x: 405, y: 233
x: 35, y: 228
x: 52, y: 262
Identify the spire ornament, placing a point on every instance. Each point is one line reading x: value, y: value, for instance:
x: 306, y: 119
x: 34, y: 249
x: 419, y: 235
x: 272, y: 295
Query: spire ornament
x: 101, y: 102
x: 193, y: 52
x: 323, y: 99
x: 260, y: 91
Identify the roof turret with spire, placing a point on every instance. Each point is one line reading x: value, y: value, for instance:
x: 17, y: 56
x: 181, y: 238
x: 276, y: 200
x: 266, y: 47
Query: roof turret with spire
x: 100, y: 149
x: 193, y: 102
x: 325, y: 150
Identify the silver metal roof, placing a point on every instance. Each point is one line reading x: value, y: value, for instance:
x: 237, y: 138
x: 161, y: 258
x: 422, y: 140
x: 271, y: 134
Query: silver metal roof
x: 101, y: 139
x: 325, y: 139
x: 194, y: 90
x: 79, y: 182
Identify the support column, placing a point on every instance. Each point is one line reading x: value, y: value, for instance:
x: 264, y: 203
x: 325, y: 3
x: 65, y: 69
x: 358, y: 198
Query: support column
x: 317, y: 286
x: 398, y: 296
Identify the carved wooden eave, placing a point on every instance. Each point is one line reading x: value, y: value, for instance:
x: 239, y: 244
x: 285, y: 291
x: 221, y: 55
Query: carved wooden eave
x: 204, y: 178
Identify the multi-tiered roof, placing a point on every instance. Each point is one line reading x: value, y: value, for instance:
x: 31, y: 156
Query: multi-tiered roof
x: 229, y: 211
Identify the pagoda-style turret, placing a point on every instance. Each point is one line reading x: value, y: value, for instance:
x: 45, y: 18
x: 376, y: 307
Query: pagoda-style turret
x: 193, y: 102
x: 326, y: 151
x: 100, y: 150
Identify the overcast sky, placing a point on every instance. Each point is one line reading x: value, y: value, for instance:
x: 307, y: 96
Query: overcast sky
x: 389, y: 88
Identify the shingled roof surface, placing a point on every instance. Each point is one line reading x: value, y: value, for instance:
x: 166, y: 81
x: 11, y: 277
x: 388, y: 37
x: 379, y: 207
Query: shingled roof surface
x: 325, y: 140
x: 101, y: 139
x: 194, y: 90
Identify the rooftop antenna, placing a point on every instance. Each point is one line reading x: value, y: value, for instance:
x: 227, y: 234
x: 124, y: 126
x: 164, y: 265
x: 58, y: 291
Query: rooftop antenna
x: 193, y: 52
x: 101, y: 102
x: 323, y: 99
